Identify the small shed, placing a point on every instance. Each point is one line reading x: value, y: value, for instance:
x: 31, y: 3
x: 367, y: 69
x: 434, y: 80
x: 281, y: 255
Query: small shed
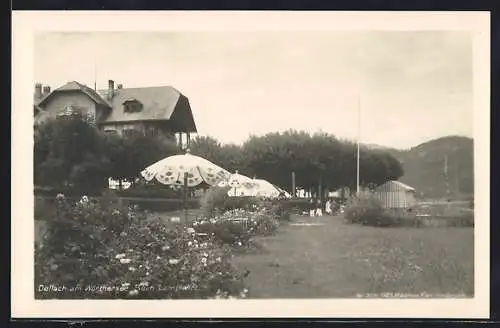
x: 395, y: 194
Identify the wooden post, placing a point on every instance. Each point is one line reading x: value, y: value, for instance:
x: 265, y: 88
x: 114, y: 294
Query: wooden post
x: 184, y: 205
x: 293, y: 185
x: 320, y: 194
x: 180, y: 140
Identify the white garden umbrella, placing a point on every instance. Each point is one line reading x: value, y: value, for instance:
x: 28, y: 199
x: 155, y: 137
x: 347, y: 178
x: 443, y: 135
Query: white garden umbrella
x: 185, y: 170
x: 240, y: 185
x: 285, y: 193
x: 192, y: 169
x: 265, y: 188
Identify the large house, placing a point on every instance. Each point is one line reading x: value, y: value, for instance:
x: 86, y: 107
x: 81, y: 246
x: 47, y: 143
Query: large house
x: 161, y: 110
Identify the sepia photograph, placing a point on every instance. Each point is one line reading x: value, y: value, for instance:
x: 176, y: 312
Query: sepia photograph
x: 255, y: 164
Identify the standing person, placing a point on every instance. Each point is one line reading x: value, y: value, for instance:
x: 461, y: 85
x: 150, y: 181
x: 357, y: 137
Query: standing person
x: 328, y: 207
x: 311, y: 207
x: 319, y: 210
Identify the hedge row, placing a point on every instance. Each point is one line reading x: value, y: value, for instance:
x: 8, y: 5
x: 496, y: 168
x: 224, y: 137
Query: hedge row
x: 142, y: 191
x: 151, y: 192
x: 161, y: 205
x: 369, y: 211
x: 156, y: 199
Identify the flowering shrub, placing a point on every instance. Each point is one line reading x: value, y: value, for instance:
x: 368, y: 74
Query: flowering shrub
x: 363, y: 210
x: 224, y: 230
x: 107, y: 251
x: 279, y: 209
x: 236, y: 227
x: 216, y: 201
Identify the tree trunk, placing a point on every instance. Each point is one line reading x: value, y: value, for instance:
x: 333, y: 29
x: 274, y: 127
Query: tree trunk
x: 120, y: 184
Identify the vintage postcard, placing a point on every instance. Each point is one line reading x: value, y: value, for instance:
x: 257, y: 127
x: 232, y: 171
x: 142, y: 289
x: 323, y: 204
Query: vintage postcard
x: 250, y: 164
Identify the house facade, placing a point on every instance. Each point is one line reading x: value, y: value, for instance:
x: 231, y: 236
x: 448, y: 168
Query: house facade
x: 155, y: 111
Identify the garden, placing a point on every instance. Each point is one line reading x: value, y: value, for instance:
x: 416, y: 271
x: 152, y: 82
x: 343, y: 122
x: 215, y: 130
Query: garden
x: 141, y: 243
x: 232, y: 248
x: 101, y: 249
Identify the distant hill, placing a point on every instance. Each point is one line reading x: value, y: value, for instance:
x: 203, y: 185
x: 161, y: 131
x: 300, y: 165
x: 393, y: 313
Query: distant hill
x: 424, y: 166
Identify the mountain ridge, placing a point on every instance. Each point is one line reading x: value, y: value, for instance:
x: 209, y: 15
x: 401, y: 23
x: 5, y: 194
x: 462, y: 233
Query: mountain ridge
x: 438, y: 168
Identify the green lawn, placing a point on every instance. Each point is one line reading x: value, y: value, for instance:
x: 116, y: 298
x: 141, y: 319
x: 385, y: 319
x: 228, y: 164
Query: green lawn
x: 340, y: 260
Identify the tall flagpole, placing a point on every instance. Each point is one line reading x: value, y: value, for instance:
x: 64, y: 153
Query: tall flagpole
x: 358, y: 141
x: 95, y: 77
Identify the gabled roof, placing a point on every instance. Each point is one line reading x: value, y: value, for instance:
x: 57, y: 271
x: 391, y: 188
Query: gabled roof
x: 76, y: 86
x: 158, y: 103
x: 162, y: 103
x: 394, y: 186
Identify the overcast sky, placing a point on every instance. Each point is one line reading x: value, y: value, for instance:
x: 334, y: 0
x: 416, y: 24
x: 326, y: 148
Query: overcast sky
x: 412, y: 86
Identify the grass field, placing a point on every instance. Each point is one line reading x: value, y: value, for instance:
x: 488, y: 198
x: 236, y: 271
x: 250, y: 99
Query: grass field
x: 339, y: 260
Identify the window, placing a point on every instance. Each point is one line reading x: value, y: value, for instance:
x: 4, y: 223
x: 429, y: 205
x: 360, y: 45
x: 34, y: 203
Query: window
x: 110, y: 131
x: 129, y: 131
x: 132, y: 106
x: 151, y: 131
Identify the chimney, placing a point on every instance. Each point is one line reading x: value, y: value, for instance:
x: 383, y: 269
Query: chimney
x: 38, y: 90
x: 119, y: 86
x: 111, y: 89
x: 46, y: 90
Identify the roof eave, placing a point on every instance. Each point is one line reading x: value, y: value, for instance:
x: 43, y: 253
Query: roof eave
x: 43, y: 100
x: 135, y: 121
x: 190, y: 130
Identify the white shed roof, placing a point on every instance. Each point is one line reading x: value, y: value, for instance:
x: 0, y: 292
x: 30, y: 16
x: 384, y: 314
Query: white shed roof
x: 394, y: 185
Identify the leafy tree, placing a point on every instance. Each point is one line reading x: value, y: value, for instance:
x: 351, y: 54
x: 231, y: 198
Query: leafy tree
x: 132, y: 152
x: 320, y: 161
x: 70, y: 153
x: 42, y: 140
x: 206, y: 147
x: 232, y: 158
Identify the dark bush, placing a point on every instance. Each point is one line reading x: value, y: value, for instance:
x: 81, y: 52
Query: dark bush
x: 152, y: 205
x: 163, y: 205
x: 364, y: 210
x: 225, y: 232
x: 47, y: 191
x: 297, y: 205
x: 151, y: 191
x: 369, y: 211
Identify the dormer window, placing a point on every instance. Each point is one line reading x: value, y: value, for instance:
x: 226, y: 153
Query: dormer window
x: 132, y: 106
